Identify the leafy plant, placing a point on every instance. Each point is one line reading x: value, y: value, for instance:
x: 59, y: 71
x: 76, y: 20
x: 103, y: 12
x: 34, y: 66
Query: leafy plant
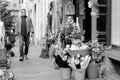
x: 96, y: 51
x: 5, y: 13
x: 77, y: 34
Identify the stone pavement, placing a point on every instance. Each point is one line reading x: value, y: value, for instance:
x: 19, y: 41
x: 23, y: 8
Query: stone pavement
x: 35, y: 68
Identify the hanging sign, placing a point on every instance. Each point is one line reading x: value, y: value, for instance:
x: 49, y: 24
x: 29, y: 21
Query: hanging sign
x: 69, y: 8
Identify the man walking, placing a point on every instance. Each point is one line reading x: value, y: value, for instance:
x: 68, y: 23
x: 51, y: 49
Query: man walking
x: 23, y: 29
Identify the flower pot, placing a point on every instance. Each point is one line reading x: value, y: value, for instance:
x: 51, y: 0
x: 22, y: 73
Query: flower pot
x: 92, y: 71
x: 65, y: 73
x: 79, y: 74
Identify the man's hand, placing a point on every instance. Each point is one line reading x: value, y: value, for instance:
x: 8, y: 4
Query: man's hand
x: 31, y: 37
x: 32, y: 34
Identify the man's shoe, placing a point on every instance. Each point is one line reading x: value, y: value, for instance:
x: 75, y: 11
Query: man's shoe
x: 26, y: 57
x: 21, y: 59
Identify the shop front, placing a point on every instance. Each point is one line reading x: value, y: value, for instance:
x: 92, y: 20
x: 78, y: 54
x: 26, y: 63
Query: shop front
x: 100, y: 20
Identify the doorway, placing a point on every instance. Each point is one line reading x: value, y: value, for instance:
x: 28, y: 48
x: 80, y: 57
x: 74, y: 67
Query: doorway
x: 87, y: 22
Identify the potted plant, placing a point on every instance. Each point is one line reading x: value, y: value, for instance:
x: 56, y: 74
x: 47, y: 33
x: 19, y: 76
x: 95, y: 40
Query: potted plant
x: 95, y: 50
x: 77, y: 35
x: 61, y: 57
x: 79, y: 65
x: 66, y: 62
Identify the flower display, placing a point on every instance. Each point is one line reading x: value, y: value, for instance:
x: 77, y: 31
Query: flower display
x: 77, y: 34
x: 79, y: 62
x: 69, y: 30
x: 75, y: 62
x: 6, y: 75
x: 96, y: 51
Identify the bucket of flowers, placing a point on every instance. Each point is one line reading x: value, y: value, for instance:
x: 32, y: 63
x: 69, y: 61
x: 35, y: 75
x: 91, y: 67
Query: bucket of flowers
x: 96, y: 51
x: 79, y: 64
x: 61, y: 57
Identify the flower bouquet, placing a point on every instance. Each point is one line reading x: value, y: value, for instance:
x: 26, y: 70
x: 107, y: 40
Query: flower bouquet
x: 66, y: 61
x: 6, y: 75
x: 73, y: 61
x: 77, y: 34
x: 69, y: 30
x: 78, y: 62
x: 96, y: 51
x: 61, y: 58
x: 79, y: 65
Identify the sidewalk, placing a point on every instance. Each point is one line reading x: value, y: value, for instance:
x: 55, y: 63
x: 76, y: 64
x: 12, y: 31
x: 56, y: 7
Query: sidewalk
x: 35, y: 68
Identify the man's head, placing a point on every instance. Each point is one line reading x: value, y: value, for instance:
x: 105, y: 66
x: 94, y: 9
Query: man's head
x: 23, y: 12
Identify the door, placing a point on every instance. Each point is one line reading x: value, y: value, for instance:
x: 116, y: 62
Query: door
x: 87, y: 22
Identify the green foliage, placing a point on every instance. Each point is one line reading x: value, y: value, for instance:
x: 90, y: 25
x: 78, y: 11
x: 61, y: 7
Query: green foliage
x: 5, y: 13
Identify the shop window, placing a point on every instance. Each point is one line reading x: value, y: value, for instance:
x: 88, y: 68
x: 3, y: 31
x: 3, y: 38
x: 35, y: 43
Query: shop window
x: 104, y: 22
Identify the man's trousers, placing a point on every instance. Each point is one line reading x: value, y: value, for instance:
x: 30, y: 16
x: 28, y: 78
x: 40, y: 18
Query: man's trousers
x: 24, y: 44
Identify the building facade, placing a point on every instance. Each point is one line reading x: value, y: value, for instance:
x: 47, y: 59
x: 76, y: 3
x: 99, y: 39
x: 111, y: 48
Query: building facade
x: 102, y: 26
x: 38, y: 12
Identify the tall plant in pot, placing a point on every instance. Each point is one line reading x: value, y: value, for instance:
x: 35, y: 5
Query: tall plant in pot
x: 96, y: 51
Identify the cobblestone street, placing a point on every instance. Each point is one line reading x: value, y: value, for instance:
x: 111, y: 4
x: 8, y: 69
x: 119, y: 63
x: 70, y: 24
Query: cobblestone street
x: 35, y: 68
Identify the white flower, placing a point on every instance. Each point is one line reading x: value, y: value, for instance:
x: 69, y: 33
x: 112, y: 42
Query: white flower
x: 82, y: 58
x: 64, y: 58
x: 85, y: 63
x: 77, y: 61
x: 72, y: 63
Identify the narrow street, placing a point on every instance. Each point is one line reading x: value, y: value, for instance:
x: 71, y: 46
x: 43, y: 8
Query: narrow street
x: 35, y: 68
